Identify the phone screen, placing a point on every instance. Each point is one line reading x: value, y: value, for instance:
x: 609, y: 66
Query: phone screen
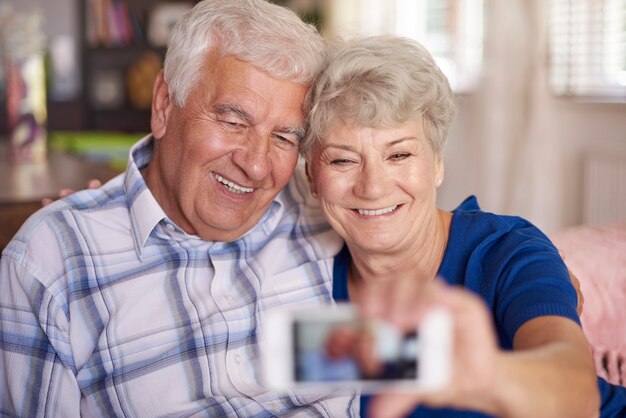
x: 328, y: 350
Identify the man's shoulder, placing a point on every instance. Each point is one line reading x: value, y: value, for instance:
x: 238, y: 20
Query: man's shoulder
x: 71, y: 222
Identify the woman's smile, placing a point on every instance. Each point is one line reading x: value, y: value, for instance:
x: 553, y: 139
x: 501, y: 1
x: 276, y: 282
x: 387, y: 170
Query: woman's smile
x: 377, y: 212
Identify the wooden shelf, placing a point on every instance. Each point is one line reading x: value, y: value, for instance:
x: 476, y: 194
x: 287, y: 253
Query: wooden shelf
x: 109, y: 49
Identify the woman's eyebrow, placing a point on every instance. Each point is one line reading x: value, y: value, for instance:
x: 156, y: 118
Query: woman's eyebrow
x: 340, y: 146
x: 400, y: 140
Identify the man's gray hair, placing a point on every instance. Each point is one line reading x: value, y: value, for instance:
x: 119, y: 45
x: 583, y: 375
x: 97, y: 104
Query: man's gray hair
x: 271, y: 37
x: 381, y: 81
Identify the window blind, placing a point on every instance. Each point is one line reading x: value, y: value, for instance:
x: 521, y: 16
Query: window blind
x: 588, y: 48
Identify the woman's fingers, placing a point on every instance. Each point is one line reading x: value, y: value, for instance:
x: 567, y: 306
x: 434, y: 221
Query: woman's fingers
x: 91, y: 184
x: 94, y: 184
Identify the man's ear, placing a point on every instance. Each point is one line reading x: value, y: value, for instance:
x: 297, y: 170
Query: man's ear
x: 161, y: 106
x: 309, y: 178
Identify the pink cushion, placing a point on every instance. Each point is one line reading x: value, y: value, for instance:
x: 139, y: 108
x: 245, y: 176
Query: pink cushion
x: 597, y: 256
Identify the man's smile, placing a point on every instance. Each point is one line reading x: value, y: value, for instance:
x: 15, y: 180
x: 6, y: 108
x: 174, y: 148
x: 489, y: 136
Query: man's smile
x: 233, y: 187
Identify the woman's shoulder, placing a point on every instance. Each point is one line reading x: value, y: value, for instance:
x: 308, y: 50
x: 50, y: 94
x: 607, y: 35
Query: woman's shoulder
x: 470, y: 222
x: 489, y: 242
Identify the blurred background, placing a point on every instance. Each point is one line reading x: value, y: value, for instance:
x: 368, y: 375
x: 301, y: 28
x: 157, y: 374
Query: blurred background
x: 541, y: 87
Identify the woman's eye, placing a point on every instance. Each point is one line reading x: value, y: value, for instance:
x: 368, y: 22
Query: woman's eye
x: 399, y: 156
x: 340, y: 161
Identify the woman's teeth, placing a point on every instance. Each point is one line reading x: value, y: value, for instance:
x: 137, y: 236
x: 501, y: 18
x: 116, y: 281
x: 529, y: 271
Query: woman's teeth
x: 232, y: 187
x: 377, y: 211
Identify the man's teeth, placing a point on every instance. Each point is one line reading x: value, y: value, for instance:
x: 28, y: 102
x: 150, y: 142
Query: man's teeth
x: 232, y: 187
x: 377, y: 211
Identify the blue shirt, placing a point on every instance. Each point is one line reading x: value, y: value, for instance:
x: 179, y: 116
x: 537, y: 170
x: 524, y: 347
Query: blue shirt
x: 108, y: 308
x: 515, y: 269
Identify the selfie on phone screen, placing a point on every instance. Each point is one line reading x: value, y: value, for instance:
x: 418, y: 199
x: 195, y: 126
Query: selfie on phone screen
x: 350, y: 351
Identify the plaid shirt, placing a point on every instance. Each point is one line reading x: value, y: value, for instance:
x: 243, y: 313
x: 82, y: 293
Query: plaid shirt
x: 107, y: 308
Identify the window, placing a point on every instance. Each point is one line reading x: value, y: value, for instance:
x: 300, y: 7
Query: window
x: 452, y: 30
x: 588, y: 48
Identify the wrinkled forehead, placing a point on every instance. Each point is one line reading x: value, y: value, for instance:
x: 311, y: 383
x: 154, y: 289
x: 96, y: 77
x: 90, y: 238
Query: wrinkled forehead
x: 337, y: 123
x: 248, y: 90
x: 356, y: 133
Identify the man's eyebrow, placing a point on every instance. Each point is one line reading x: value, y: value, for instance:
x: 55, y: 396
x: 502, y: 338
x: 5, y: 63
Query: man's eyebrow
x: 222, y: 109
x: 225, y: 108
x: 293, y: 130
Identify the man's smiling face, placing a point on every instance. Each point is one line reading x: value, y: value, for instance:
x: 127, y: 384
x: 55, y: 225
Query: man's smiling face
x: 222, y: 158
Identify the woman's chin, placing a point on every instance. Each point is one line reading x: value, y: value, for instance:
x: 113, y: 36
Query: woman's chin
x: 380, y: 244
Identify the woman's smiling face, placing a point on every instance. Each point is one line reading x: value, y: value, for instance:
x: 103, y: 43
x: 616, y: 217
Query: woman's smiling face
x: 376, y: 185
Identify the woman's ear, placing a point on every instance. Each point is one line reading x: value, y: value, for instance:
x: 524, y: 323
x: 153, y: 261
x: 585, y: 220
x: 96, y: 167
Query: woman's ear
x: 439, y: 171
x: 309, y: 177
x: 161, y: 106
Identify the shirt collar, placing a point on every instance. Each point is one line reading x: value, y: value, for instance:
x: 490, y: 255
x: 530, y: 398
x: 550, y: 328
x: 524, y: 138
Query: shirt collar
x: 145, y: 212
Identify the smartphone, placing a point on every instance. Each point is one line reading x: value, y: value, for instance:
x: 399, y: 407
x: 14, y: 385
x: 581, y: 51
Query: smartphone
x: 333, y: 347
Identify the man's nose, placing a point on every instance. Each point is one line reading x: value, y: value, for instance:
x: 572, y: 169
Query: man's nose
x: 254, y: 156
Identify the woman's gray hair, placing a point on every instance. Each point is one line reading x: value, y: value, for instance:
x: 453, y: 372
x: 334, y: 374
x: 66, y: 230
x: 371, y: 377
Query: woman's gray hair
x: 271, y: 37
x: 380, y: 81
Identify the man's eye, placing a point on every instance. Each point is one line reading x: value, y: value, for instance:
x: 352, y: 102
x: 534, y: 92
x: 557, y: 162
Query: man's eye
x: 233, y: 125
x: 283, y: 140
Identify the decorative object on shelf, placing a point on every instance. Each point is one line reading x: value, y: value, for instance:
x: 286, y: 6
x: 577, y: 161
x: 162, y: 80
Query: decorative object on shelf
x: 22, y: 46
x: 163, y: 17
x: 107, y: 89
x: 140, y: 79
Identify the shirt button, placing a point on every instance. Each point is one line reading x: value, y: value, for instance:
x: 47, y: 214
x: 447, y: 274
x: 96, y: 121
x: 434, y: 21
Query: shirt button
x: 229, y: 298
x: 276, y: 406
x: 170, y: 227
x: 237, y: 358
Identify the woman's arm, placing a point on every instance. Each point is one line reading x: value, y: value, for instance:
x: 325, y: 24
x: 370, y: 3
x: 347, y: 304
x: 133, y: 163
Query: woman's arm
x: 549, y: 373
x: 551, y: 365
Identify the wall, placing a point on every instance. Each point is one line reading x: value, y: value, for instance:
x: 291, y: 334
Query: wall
x: 579, y: 129
x: 586, y: 128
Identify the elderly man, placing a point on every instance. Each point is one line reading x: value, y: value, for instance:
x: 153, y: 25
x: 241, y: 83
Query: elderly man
x: 146, y: 297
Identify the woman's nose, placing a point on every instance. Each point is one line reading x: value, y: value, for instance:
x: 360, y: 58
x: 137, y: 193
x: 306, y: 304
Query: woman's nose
x: 374, y: 182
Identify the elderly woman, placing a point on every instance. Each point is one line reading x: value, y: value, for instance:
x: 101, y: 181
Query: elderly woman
x: 374, y: 155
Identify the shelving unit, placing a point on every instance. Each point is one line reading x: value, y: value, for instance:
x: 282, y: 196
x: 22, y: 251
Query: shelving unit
x: 115, y: 44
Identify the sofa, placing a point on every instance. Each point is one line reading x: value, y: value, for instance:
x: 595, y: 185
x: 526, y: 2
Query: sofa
x: 597, y: 256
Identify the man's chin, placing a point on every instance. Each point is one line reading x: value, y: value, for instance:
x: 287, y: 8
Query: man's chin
x: 225, y: 232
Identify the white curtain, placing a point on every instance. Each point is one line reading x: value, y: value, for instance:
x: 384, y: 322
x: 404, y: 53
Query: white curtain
x: 518, y: 158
